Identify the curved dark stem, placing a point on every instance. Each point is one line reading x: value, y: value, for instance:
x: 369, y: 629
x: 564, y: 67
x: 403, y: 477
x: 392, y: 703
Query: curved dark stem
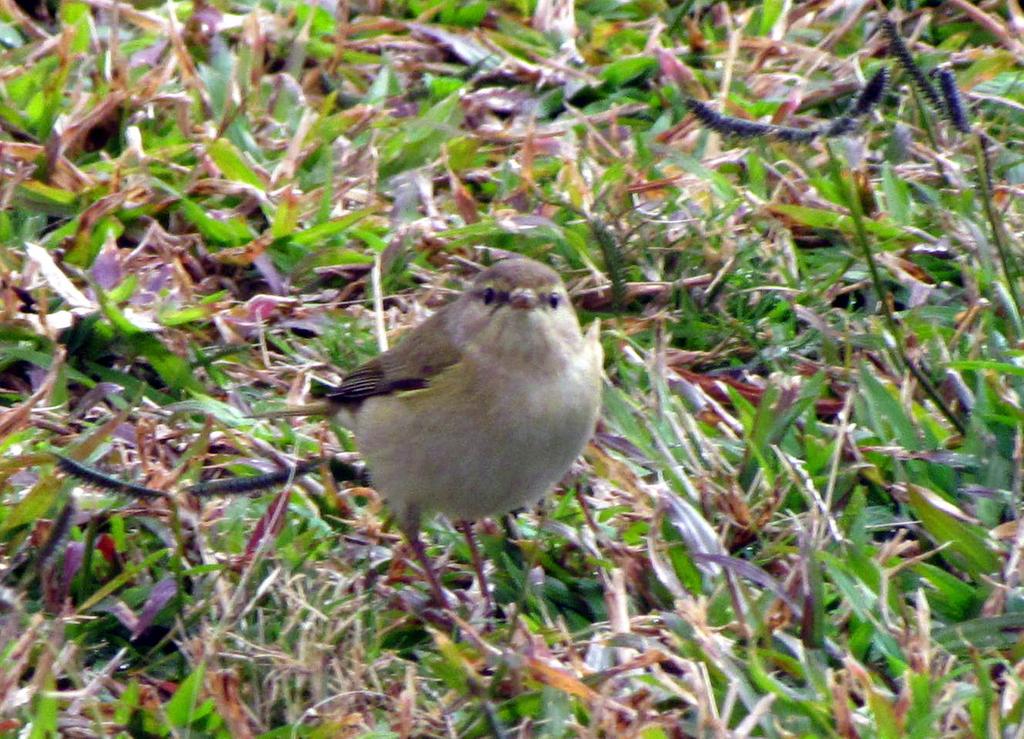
x: 466, y: 527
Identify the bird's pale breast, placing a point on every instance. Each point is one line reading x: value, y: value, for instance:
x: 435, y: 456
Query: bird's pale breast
x: 499, y: 443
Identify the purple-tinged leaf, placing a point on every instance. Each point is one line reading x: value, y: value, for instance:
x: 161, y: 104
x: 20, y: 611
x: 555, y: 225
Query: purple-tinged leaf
x: 159, y: 596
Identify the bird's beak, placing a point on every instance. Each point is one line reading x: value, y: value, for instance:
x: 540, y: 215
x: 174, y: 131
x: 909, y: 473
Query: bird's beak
x: 523, y: 298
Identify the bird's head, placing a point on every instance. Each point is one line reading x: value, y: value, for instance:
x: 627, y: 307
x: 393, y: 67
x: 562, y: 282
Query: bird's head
x: 520, y: 306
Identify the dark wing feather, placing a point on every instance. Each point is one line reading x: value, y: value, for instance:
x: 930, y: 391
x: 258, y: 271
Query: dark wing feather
x: 410, y: 365
x: 364, y: 382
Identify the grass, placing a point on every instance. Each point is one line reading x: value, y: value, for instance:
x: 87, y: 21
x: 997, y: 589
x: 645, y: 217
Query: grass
x: 800, y: 514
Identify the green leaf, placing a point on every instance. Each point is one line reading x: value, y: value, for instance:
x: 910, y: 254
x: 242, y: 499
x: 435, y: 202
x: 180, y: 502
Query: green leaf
x: 770, y: 12
x: 776, y: 414
x: 134, y: 386
x: 32, y: 506
x: 441, y: 87
x: 38, y: 192
x: 185, y: 316
x: 623, y: 71
x: 182, y: 709
x: 966, y: 544
x: 44, y: 708
x: 420, y: 139
x: 888, y: 418
x: 952, y: 597
x: 232, y: 164
x: 286, y: 217
x: 40, y: 359
x: 384, y: 86
x: 466, y: 15
x: 317, y: 234
x: 77, y: 15
x: 130, y: 572
x: 988, y: 632
x: 451, y: 665
x: 1004, y: 368
x: 173, y: 370
x: 897, y: 195
x: 822, y: 218
x: 207, y: 406
x: 231, y: 232
x: 881, y: 705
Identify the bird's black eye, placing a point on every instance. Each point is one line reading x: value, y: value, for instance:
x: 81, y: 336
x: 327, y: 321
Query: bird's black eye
x: 554, y: 300
x: 488, y: 295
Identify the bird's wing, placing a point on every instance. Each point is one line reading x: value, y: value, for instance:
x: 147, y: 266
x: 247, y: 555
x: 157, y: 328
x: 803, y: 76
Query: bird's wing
x: 410, y: 365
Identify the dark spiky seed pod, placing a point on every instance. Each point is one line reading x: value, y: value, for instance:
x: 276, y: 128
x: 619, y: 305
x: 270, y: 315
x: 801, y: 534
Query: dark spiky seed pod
x: 871, y: 94
x: 840, y: 127
x: 724, y: 124
x: 254, y: 483
x: 794, y: 135
x: 730, y: 126
x: 341, y: 471
x: 899, y: 50
x: 953, y: 101
x: 58, y: 532
x: 99, y: 479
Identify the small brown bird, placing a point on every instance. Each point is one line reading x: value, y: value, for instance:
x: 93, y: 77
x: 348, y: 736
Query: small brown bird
x: 479, y: 410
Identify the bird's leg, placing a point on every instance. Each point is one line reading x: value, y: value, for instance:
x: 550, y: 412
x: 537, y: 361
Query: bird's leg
x: 410, y: 526
x: 466, y: 527
x: 435, y: 584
